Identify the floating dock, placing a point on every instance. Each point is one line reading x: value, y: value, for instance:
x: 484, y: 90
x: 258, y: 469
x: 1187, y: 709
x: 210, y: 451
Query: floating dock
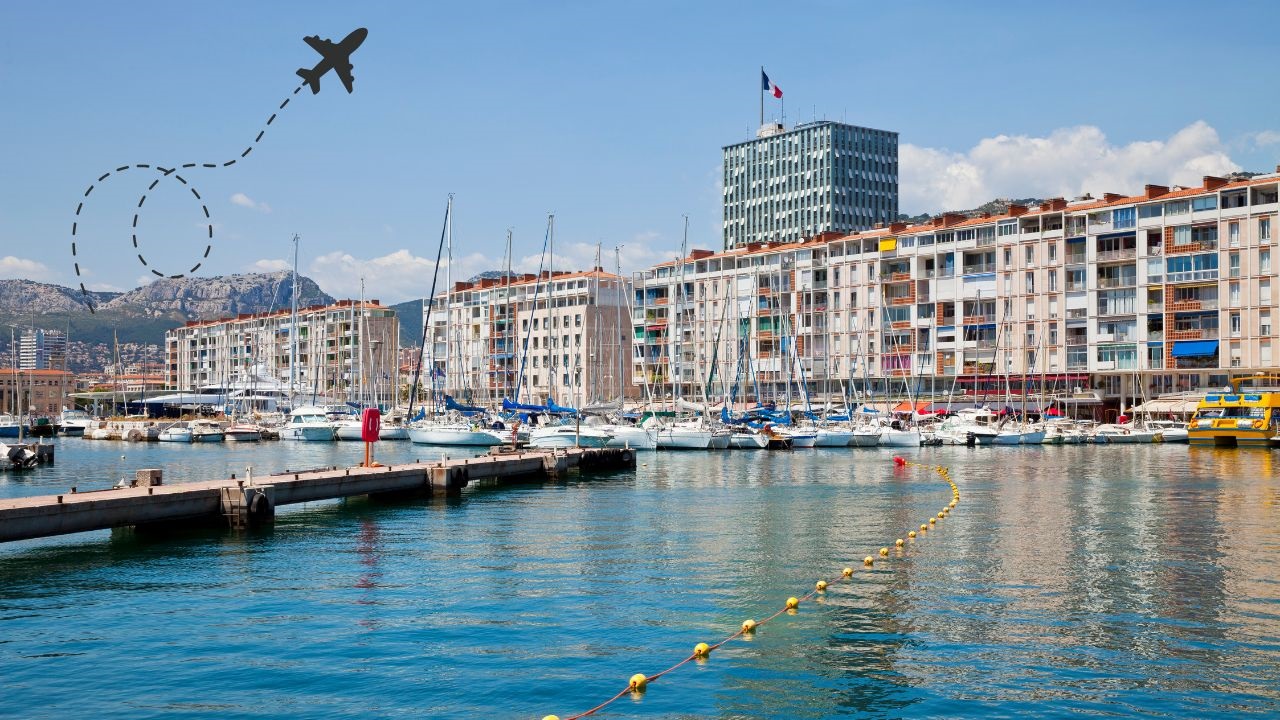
x: 252, y: 501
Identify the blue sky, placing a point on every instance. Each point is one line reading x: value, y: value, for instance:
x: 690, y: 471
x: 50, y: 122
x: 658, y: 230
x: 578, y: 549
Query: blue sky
x: 610, y: 115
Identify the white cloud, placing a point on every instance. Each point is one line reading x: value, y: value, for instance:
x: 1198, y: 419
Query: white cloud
x: 247, y: 202
x: 104, y: 287
x: 267, y: 265
x: 1066, y: 163
x: 391, y: 278
x: 22, y: 268
x: 643, y: 250
x: 145, y: 280
x: 1265, y: 138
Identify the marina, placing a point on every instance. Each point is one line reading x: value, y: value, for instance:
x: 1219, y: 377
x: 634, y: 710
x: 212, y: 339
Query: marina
x: 1083, y: 572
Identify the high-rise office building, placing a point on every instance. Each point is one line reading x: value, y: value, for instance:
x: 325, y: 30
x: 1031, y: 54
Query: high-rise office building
x: 819, y: 177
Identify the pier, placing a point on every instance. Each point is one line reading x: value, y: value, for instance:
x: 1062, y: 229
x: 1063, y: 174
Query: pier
x: 251, y: 501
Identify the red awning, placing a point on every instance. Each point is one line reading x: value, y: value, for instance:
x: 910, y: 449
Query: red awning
x: 905, y: 407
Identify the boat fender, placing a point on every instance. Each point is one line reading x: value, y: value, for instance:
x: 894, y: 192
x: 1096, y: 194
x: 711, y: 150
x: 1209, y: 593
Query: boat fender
x: 135, y: 435
x: 260, y: 509
x: 626, y: 457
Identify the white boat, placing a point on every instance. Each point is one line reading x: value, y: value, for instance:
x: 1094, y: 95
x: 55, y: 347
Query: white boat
x: 748, y: 440
x: 453, y: 434
x: 393, y: 431
x: 1171, y: 431
x: 720, y: 439
x: 244, y: 432
x: 686, y: 436
x: 309, y: 424
x: 1127, y: 434
x: 176, y: 433
x: 9, y: 426
x: 74, y: 423
x: 632, y: 436
x: 348, y: 428
x: 864, y: 437
x: 206, y: 431
x: 974, y: 425
x: 1020, y: 436
x: 900, y: 437
x: 567, y: 436
x: 800, y: 438
x: 833, y: 437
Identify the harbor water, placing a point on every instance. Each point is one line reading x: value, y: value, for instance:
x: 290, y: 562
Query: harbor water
x: 1071, y: 580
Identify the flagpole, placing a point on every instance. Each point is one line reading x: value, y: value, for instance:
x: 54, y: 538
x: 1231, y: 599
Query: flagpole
x: 761, y: 96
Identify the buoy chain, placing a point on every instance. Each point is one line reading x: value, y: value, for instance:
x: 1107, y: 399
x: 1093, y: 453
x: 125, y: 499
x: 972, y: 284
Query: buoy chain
x: 639, y: 682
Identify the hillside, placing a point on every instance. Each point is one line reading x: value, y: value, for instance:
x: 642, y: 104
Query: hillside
x: 142, y: 315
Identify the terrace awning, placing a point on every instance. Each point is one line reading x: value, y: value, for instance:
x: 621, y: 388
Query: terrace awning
x: 1195, y: 348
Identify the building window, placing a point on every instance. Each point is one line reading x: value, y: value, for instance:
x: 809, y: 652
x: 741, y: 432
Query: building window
x: 1264, y: 230
x: 1233, y: 234
x: 1264, y: 261
x: 1264, y: 291
x: 1235, y: 324
x: 1233, y: 264
x: 1031, y: 282
x: 1031, y: 255
x: 1234, y: 293
x: 1204, y: 203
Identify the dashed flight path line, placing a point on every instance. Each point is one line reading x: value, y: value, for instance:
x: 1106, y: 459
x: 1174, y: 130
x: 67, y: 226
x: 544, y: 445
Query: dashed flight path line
x: 165, y: 173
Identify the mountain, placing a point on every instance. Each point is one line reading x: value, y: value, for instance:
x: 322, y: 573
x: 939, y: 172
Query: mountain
x: 144, y: 314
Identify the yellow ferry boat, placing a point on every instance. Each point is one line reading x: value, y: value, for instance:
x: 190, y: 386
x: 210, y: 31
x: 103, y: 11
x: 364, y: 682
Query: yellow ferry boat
x: 1247, y: 415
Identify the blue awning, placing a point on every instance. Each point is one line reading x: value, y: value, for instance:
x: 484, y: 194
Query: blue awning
x: 1195, y: 348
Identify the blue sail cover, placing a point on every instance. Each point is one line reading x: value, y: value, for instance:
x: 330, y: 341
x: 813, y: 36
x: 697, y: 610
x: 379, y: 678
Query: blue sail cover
x: 553, y: 407
x: 451, y: 404
x: 512, y: 406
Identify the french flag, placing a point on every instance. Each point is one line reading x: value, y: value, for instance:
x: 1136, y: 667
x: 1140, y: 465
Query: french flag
x: 767, y: 85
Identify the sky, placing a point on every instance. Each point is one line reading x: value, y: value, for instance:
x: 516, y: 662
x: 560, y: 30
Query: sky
x: 609, y: 115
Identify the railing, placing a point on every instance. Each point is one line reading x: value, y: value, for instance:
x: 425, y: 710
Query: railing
x: 1076, y: 258
x: 1155, y: 307
x: 1077, y: 314
x: 1076, y: 286
x: 984, y: 344
x: 1197, y: 246
x: 1114, y: 282
x: 979, y: 268
x: 1204, y: 333
x: 979, y: 319
x: 1155, y: 334
x: 1121, y: 254
x: 986, y: 241
x: 1192, y: 275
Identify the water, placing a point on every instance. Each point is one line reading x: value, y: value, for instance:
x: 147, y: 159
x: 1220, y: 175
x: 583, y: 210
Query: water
x: 1098, y: 581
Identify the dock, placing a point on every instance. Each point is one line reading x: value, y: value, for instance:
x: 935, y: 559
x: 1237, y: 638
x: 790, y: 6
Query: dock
x: 251, y: 501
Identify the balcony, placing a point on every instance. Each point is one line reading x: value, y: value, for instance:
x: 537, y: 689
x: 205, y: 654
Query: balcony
x: 1193, y: 247
x: 1204, y: 333
x: 1114, y: 255
x: 1192, y: 276
x: 1076, y: 286
x: 1193, y: 305
x: 1076, y: 258
x: 979, y: 319
x: 1117, y: 282
x: 979, y: 268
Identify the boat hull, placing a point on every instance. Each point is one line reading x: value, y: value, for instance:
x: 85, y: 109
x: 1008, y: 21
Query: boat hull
x: 864, y: 439
x: 182, y: 436
x: 684, y: 439
x: 748, y: 441
x: 307, y: 433
x: 636, y: 438
x: 349, y: 432
x: 834, y: 438
x: 900, y: 438
x: 393, y: 432
x: 458, y: 436
x: 567, y: 438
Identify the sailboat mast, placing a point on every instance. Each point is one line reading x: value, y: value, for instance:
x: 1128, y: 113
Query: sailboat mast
x: 509, y: 325
x: 293, y: 326
x: 617, y: 303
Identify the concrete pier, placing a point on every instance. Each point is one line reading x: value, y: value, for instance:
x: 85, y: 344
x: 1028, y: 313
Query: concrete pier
x: 252, y: 501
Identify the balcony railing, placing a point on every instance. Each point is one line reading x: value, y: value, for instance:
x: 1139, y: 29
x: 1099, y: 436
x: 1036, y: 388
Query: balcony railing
x: 1076, y: 286
x: 1193, y: 276
x: 1077, y: 258
x: 1121, y: 254
x: 1077, y: 314
x: 979, y: 319
x: 979, y: 268
x: 1118, y: 282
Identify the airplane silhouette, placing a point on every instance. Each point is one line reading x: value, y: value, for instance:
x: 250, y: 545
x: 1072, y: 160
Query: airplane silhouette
x: 336, y: 57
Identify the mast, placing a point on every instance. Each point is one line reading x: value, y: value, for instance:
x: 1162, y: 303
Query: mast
x: 360, y: 340
x: 293, y: 326
x: 551, y: 290
x: 426, y: 316
x: 448, y: 299
x: 509, y: 335
x: 617, y: 262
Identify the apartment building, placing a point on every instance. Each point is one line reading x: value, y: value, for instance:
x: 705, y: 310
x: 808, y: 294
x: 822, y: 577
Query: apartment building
x: 1130, y: 295
x: 563, y: 336
x: 331, y: 341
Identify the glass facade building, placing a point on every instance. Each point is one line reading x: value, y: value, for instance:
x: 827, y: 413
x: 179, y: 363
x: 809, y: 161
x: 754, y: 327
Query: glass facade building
x: 819, y: 177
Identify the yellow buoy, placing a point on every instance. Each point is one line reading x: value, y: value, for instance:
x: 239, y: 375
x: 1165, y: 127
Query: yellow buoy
x: 923, y: 528
x: 933, y: 521
x: 868, y: 561
x: 638, y: 682
x: 911, y: 534
x: 848, y: 572
x: 701, y: 650
x: 898, y: 542
x: 551, y: 717
x: 941, y: 514
x: 884, y: 552
x: 792, y: 603
x: 821, y: 585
